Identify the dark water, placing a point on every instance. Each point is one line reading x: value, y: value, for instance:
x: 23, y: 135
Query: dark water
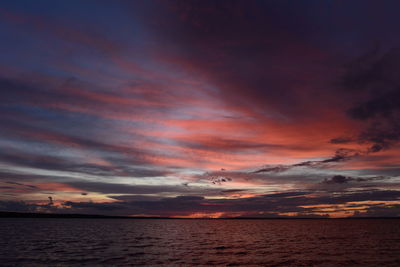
x: 115, y: 242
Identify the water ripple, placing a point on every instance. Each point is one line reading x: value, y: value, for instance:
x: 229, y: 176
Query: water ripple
x: 87, y: 242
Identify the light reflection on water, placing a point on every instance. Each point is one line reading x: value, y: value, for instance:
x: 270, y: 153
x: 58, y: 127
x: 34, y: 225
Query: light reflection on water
x: 118, y: 242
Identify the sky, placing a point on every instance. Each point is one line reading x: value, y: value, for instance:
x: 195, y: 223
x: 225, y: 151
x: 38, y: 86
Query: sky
x: 200, y: 108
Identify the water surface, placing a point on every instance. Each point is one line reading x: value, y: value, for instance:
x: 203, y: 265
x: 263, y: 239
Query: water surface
x: 136, y: 242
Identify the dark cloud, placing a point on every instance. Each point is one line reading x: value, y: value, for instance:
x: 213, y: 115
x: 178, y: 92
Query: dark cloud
x: 265, y: 206
x: 186, y: 198
x: 341, y: 140
x: 21, y: 206
x: 287, y: 194
x: 370, y: 195
x: 340, y: 156
x: 373, y: 81
x: 235, y: 45
x: 340, y: 179
x: 95, y: 207
x: 233, y: 191
x: 380, y: 211
x: 114, y: 188
x: 24, y: 185
x: 31, y: 132
x: 217, y: 177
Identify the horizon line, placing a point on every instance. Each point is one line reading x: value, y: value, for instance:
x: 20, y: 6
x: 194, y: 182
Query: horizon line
x: 12, y: 214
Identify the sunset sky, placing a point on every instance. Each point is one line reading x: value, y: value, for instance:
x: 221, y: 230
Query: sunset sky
x: 200, y: 108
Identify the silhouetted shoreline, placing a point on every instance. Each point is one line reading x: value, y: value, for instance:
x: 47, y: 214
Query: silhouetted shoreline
x: 7, y: 214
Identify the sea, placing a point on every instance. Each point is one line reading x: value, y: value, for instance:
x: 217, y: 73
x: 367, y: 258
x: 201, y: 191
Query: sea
x: 158, y: 242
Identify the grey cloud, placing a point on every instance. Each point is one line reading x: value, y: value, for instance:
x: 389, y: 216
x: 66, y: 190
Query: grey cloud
x: 380, y: 211
x: 268, y: 205
x: 375, y: 75
x: 340, y: 179
x: 340, y: 156
x: 114, y: 188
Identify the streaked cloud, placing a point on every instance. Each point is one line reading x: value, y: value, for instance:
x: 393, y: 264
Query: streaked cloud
x: 204, y: 108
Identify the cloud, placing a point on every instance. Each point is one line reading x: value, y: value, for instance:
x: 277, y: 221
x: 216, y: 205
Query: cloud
x: 340, y: 156
x: 233, y: 190
x: 287, y: 194
x: 21, y: 206
x: 306, y: 203
x: 20, y: 184
x: 113, y: 188
x: 340, y: 179
x: 373, y: 80
x: 380, y: 211
x: 91, y: 207
x: 143, y: 116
